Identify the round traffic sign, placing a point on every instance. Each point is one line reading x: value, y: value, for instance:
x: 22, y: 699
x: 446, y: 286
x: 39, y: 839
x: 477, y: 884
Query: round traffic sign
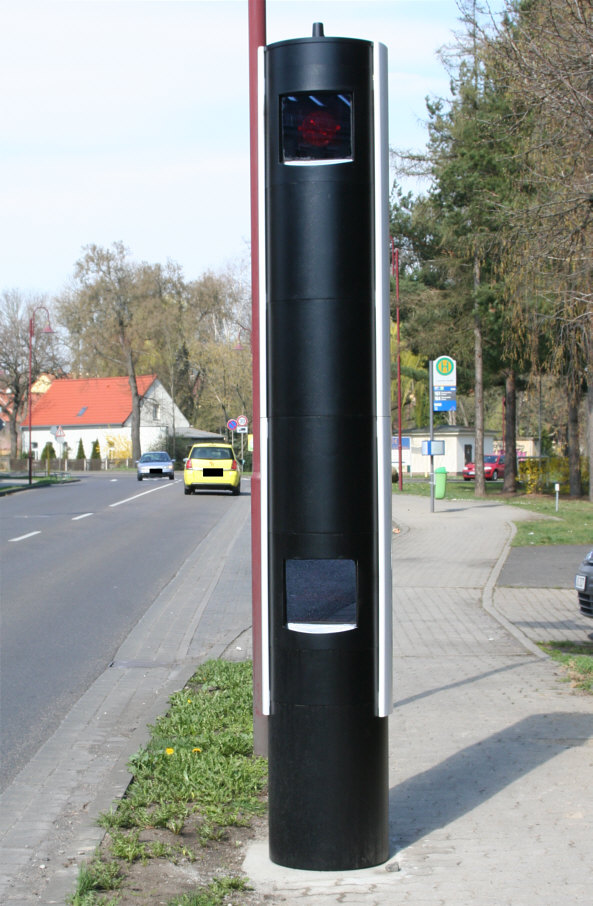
x: 445, y: 366
x: 242, y: 421
x: 232, y: 424
x: 444, y: 371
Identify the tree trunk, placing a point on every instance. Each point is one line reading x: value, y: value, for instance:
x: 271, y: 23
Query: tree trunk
x: 136, y: 449
x: 18, y: 416
x: 480, y: 484
x: 173, y: 416
x: 510, y: 425
x: 590, y: 416
x: 463, y: 413
x: 14, y: 432
x: 574, y: 457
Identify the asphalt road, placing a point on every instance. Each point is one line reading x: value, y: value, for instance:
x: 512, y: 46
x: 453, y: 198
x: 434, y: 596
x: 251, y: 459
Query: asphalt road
x: 81, y: 563
x: 548, y: 566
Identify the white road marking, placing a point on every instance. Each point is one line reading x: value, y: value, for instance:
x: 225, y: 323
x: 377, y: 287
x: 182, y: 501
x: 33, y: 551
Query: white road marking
x: 142, y: 494
x: 22, y: 537
x: 118, y: 503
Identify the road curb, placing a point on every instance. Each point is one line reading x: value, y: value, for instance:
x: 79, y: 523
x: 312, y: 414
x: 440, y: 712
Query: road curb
x: 488, y: 598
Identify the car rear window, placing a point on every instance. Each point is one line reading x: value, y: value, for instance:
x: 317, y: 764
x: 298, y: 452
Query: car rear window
x: 154, y: 457
x: 211, y: 453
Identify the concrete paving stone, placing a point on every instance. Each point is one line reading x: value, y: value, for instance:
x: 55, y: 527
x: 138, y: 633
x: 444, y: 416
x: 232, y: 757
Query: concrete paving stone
x: 544, y: 614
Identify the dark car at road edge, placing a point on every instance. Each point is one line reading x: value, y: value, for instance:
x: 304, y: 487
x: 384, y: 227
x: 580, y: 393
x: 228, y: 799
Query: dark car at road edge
x: 584, y: 585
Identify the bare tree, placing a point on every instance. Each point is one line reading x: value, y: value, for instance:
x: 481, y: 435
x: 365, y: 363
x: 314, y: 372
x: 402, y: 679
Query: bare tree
x: 17, y: 345
x: 105, y: 313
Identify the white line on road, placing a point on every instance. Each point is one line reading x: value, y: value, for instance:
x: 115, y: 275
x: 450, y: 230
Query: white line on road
x: 22, y: 537
x: 82, y: 516
x: 152, y: 490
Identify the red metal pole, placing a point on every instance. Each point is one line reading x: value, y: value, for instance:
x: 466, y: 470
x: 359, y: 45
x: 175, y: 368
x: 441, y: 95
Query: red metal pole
x: 399, y: 376
x: 257, y: 39
x: 31, y: 329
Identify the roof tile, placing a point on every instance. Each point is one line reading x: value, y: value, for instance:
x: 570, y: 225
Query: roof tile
x: 87, y: 401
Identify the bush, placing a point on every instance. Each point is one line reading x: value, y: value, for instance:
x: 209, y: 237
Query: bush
x: 96, y: 451
x: 48, y: 451
x: 540, y: 475
x: 80, y: 451
x: 532, y: 472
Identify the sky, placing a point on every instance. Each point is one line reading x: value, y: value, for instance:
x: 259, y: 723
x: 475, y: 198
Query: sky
x: 129, y: 120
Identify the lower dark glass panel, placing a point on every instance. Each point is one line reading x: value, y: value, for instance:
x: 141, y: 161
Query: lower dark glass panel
x: 320, y: 591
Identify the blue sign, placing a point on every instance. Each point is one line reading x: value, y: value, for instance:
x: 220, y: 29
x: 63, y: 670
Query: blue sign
x: 405, y: 443
x: 433, y: 447
x: 444, y: 399
x: 444, y: 406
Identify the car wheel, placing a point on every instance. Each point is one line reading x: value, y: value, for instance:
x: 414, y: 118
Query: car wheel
x: 465, y: 479
x: 171, y: 477
x: 237, y: 491
x: 187, y: 490
x: 139, y: 477
x: 494, y: 475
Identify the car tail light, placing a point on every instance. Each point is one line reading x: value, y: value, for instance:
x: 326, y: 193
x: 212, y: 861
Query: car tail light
x: 188, y: 464
x: 234, y: 466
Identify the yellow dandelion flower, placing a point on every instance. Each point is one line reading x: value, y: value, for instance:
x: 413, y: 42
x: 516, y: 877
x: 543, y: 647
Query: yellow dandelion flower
x: 196, y: 750
x: 169, y: 751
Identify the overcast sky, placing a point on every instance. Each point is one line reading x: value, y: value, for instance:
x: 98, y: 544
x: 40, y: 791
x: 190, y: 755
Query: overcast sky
x: 129, y: 120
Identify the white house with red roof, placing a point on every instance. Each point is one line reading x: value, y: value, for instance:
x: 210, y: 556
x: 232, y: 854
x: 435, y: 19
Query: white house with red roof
x: 91, y: 409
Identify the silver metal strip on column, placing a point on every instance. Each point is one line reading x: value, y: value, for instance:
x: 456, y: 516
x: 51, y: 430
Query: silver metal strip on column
x: 263, y: 402
x: 383, y: 378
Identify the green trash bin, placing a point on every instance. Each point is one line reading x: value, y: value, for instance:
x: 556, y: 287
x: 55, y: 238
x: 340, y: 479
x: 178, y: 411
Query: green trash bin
x: 440, y: 482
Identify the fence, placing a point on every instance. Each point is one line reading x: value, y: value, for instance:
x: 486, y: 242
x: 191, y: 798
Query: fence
x: 43, y: 466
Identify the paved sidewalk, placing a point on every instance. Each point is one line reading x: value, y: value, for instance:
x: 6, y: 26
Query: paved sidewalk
x: 491, y: 800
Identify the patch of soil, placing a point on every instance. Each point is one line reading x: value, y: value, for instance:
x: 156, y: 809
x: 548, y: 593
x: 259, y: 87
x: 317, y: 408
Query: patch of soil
x: 156, y: 881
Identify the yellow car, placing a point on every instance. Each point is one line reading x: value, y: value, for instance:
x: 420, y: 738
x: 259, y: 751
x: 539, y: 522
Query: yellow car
x: 212, y: 467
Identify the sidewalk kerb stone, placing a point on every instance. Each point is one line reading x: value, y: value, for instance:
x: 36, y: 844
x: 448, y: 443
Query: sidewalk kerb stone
x: 488, y: 599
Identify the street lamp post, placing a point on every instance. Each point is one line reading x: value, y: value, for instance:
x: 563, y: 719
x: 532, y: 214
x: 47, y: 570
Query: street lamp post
x: 46, y: 329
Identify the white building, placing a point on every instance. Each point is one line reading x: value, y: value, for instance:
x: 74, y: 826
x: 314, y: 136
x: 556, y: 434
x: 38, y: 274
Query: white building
x: 460, y: 448
x: 91, y: 409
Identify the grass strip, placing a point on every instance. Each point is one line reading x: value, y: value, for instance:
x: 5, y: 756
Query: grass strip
x: 576, y: 659
x: 215, y: 894
x: 198, y: 764
x: 572, y: 523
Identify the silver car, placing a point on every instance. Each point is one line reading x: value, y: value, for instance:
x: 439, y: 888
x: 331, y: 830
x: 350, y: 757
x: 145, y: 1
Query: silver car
x: 584, y: 585
x: 156, y: 464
